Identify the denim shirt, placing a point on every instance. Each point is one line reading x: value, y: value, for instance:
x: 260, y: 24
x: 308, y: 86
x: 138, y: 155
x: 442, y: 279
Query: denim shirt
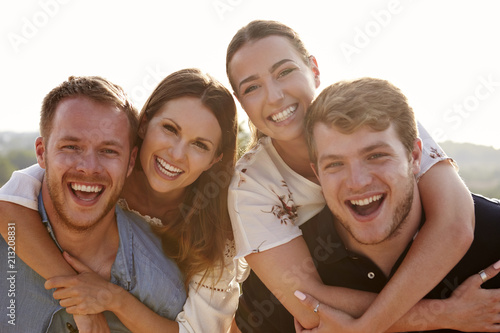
x: 140, y: 267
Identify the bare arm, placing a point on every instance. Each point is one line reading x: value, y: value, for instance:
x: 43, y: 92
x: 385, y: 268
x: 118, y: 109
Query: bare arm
x: 293, y: 269
x: 89, y: 293
x: 441, y: 243
x: 469, y: 309
x: 31, y: 237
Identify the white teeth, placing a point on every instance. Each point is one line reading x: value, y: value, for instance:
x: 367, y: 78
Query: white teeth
x: 85, y: 188
x: 168, y: 169
x: 284, y: 114
x: 366, y: 201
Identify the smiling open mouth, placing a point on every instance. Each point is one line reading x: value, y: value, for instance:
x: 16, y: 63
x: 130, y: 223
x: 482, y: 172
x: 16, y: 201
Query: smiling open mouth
x: 86, y: 192
x: 284, y: 115
x: 166, y: 168
x: 366, y: 206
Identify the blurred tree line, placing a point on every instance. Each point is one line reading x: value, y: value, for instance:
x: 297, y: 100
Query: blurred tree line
x: 17, y: 151
x: 479, y: 166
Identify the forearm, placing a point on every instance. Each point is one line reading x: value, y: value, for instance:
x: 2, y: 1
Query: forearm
x: 137, y: 317
x: 424, y: 316
x: 33, y: 244
x: 293, y: 269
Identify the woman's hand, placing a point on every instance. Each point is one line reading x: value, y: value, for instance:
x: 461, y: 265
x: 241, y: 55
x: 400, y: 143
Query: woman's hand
x: 85, y: 293
x: 472, y: 308
x: 330, y: 319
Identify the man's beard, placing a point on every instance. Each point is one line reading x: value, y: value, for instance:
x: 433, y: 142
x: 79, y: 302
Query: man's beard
x: 401, y: 212
x: 62, y: 210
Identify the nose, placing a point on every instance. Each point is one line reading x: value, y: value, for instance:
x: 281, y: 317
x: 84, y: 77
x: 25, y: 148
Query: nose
x: 178, y: 150
x: 89, y: 163
x: 274, y: 93
x: 358, y: 176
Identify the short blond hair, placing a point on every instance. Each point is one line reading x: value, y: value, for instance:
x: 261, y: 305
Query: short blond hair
x: 349, y: 105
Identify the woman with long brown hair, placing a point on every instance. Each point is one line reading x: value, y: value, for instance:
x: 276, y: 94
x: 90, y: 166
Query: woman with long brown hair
x: 274, y: 191
x: 187, y: 149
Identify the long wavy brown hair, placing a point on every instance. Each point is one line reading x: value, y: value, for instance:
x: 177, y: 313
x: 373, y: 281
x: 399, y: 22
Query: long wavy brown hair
x: 196, y: 232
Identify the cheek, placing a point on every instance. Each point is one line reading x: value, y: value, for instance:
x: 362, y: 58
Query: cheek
x: 251, y: 105
x: 330, y: 188
x: 142, y: 159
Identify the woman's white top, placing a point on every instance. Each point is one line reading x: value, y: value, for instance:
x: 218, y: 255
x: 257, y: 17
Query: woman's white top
x: 210, y: 306
x: 268, y: 201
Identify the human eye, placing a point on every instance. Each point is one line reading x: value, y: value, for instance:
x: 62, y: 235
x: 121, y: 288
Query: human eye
x: 170, y: 128
x: 285, y: 72
x: 376, y: 156
x: 109, y: 151
x: 249, y: 89
x: 332, y: 166
x: 201, y: 145
x: 70, y: 147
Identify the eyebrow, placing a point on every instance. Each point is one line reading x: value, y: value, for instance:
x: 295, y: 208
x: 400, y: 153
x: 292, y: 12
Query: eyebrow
x: 106, y: 143
x: 362, y: 151
x: 271, y: 69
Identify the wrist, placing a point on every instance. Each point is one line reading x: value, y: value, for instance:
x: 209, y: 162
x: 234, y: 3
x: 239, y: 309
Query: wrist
x: 114, y: 299
x: 437, y: 314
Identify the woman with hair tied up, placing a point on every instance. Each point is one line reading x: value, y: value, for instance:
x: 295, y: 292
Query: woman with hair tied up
x: 274, y: 191
x: 187, y: 150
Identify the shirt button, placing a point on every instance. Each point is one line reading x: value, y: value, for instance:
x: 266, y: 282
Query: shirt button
x: 371, y: 275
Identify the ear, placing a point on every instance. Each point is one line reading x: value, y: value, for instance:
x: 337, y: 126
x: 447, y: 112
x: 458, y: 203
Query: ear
x: 416, y: 156
x: 313, y: 64
x: 131, y: 162
x: 215, y: 160
x: 40, y: 151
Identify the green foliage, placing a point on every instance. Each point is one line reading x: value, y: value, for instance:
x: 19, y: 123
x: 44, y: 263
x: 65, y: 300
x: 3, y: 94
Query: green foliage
x: 21, y: 159
x: 16, y: 152
x: 6, y: 169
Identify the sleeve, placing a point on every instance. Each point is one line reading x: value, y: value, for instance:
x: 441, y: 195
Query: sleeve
x: 210, y: 307
x: 432, y: 153
x: 262, y: 213
x: 262, y: 210
x: 23, y: 187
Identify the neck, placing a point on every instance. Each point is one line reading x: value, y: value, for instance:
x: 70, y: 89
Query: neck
x: 295, y: 154
x: 386, y: 253
x: 144, y: 199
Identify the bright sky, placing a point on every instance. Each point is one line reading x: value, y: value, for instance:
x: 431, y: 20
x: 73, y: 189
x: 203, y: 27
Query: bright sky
x: 444, y: 54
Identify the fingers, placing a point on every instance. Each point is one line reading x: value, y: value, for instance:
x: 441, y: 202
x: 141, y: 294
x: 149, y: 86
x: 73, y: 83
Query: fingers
x: 308, y: 300
x: 488, y: 273
x: 300, y: 329
x: 60, y: 282
x: 75, y: 263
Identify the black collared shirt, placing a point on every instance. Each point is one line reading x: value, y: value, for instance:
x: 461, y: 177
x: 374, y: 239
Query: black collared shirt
x: 260, y: 311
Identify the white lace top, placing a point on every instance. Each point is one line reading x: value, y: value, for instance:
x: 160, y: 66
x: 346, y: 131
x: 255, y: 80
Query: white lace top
x: 208, y: 308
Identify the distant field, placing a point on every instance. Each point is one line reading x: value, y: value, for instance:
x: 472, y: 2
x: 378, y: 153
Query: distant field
x: 479, y: 166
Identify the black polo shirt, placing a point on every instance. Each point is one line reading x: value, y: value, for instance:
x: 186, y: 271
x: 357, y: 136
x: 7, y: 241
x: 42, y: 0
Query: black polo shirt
x: 260, y: 311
